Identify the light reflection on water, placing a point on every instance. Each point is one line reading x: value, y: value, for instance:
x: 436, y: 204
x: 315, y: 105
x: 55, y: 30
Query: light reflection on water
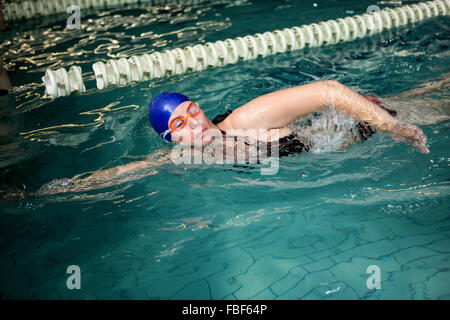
x: 104, y: 36
x: 154, y: 236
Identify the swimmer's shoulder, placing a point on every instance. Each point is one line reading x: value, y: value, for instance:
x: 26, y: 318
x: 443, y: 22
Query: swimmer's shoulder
x: 225, y: 120
x: 233, y: 119
x: 236, y: 120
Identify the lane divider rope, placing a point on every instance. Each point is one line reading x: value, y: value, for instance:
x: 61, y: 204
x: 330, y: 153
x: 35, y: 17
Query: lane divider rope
x: 123, y: 71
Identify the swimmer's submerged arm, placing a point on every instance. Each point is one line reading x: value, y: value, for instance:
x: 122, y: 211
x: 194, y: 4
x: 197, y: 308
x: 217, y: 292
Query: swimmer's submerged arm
x: 130, y: 171
x: 108, y: 177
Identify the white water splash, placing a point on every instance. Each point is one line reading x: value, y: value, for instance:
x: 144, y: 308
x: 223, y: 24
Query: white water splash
x: 327, y: 130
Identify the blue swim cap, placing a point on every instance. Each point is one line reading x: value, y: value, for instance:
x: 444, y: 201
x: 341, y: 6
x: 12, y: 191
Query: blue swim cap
x: 160, y: 110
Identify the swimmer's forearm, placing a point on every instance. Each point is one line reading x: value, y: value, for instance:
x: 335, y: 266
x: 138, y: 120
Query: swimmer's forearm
x: 344, y: 99
x: 152, y: 161
x: 118, y: 171
x: 98, y: 179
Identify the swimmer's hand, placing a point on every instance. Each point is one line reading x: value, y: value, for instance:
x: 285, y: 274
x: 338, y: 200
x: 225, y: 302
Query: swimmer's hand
x: 57, y: 186
x: 410, y: 134
x: 12, y: 193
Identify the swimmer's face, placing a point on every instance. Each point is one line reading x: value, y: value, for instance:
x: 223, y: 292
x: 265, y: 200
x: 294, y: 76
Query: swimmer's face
x: 195, y: 129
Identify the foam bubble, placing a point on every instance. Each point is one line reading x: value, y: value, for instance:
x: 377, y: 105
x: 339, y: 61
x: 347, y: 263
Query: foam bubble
x: 327, y: 130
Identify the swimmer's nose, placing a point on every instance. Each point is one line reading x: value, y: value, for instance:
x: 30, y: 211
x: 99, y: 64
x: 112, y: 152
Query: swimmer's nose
x: 193, y: 123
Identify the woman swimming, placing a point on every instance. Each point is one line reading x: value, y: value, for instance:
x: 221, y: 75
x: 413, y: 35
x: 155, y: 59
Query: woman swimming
x: 181, y: 121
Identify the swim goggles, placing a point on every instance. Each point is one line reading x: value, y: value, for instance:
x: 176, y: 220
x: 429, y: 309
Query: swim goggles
x: 179, y: 122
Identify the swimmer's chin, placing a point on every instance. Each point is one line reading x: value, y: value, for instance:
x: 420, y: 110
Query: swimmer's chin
x: 205, y: 137
x: 206, y: 140
x: 203, y: 141
x: 199, y: 138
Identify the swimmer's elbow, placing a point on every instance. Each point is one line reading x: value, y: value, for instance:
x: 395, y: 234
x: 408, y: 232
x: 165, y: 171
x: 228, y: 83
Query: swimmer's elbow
x: 331, y: 83
x: 332, y: 90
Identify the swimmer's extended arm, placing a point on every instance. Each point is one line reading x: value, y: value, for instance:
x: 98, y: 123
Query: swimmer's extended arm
x: 105, y: 178
x: 280, y: 108
x: 98, y: 179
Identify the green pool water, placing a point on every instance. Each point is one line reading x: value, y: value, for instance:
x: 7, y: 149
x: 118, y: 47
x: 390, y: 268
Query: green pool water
x: 219, y: 232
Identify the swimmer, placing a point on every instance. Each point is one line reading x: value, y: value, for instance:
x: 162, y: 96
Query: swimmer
x: 178, y: 120
x: 5, y: 84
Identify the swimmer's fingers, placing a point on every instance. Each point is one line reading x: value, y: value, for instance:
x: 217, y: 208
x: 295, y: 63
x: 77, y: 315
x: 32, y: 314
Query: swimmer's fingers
x: 57, y: 186
x: 419, y: 145
x: 410, y: 134
x: 419, y: 139
x: 424, y: 149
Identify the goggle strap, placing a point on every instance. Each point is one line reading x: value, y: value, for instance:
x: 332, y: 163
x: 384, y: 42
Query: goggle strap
x: 164, y: 134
